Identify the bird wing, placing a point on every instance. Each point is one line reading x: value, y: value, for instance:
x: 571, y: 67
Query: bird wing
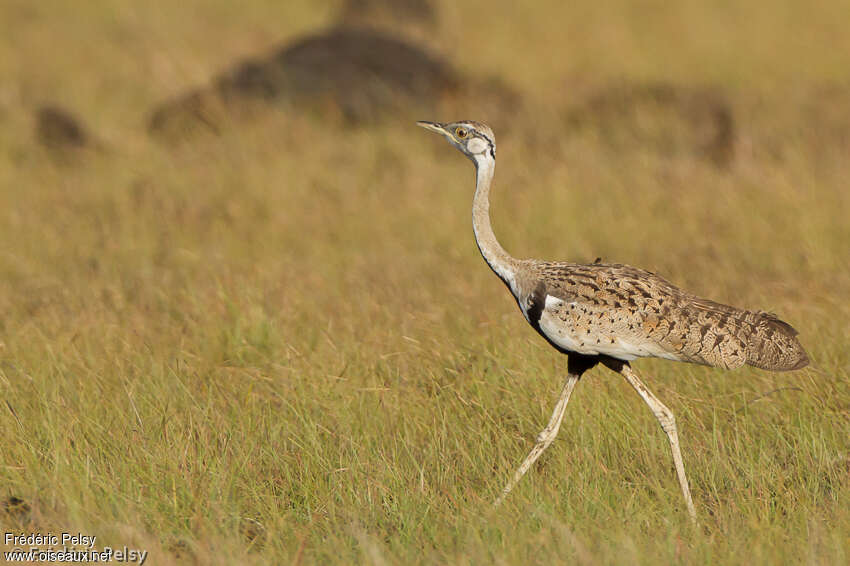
x: 626, y: 313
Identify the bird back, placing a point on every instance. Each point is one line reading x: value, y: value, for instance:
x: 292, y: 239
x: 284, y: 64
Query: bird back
x: 626, y: 313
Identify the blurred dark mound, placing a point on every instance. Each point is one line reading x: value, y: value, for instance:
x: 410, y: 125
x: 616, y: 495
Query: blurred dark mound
x: 58, y: 130
x: 358, y: 75
x: 669, y: 119
x: 365, y: 70
x: 362, y: 71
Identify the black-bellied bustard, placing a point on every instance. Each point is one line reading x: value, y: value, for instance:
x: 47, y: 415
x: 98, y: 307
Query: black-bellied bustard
x: 613, y: 313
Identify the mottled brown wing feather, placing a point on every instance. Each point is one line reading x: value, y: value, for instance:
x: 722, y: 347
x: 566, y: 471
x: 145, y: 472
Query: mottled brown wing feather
x: 769, y: 343
x: 655, y: 318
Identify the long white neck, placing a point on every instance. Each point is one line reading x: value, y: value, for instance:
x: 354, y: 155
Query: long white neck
x: 494, y: 254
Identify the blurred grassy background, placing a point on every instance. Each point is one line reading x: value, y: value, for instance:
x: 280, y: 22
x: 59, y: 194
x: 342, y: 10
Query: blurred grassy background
x: 279, y: 344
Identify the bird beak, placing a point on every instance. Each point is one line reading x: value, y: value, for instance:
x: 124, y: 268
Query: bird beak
x: 433, y: 126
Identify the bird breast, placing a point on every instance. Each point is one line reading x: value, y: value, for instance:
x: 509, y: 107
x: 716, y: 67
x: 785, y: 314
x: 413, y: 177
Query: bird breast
x: 586, y: 328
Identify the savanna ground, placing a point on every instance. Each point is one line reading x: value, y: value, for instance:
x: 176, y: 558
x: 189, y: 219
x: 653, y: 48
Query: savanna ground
x: 279, y: 345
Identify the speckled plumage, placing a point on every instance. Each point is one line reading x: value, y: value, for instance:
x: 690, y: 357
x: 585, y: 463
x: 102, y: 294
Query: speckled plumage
x: 626, y: 313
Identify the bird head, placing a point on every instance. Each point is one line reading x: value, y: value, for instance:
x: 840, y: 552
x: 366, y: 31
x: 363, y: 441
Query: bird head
x: 474, y: 139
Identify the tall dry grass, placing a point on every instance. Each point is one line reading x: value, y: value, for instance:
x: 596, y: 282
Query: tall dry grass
x: 280, y: 344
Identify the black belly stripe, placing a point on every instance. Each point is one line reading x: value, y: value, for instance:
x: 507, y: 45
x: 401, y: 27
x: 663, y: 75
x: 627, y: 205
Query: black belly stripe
x: 536, y: 304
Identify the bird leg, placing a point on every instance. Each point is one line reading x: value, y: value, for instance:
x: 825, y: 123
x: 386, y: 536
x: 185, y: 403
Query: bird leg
x: 665, y: 418
x: 546, y: 436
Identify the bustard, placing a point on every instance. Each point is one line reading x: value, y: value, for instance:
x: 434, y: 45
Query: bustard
x: 614, y: 313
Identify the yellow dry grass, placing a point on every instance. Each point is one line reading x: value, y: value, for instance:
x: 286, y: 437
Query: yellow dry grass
x: 280, y: 345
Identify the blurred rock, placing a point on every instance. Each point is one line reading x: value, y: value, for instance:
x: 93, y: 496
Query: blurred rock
x: 363, y: 72
x: 670, y: 119
x: 349, y: 75
x: 370, y: 67
x: 355, y: 75
x: 57, y: 129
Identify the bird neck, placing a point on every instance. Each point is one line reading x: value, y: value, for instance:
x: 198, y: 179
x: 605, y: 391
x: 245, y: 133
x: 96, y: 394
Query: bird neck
x: 494, y: 254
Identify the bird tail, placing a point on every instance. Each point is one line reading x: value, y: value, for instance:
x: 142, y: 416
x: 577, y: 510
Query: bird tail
x: 773, y: 344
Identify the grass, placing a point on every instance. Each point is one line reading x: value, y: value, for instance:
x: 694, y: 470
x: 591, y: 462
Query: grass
x: 280, y: 345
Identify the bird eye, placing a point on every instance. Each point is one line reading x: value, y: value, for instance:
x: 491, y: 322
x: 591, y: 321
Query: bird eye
x: 461, y: 133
